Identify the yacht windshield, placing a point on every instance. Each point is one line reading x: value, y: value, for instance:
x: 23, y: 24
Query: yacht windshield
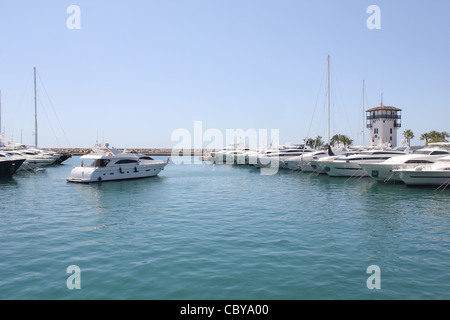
x: 99, y: 163
x: 422, y: 152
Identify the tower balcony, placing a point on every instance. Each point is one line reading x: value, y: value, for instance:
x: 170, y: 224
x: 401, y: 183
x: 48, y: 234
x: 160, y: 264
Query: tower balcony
x: 383, y: 116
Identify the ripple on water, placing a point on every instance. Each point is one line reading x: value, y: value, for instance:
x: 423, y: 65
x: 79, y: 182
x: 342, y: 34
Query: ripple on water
x: 221, y: 232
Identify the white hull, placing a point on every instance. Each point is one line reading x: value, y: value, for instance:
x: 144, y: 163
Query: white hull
x: 290, y: 164
x: 124, y: 172
x: 343, y: 169
x: 383, y: 172
x: 307, y: 167
x: 423, y: 178
x: 303, y: 162
x: 32, y: 164
x: 320, y: 166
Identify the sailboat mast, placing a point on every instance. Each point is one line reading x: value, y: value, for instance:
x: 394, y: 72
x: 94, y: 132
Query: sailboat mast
x: 35, y: 112
x: 363, y: 113
x: 328, y: 99
x: 0, y: 114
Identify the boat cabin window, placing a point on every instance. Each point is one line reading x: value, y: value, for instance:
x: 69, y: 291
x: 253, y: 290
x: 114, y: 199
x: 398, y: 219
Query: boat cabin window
x: 146, y: 158
x: 125, y: 161
x: 99, y: 163
x: 418, y: 161
x: 438, y: 152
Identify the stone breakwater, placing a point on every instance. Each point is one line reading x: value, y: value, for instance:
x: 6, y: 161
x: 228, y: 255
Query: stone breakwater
x: 153, y: 152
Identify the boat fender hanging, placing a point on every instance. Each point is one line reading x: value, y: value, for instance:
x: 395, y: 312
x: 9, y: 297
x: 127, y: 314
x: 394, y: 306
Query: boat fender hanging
x: 99, y: 179
x: 135, y: 169
x: 120, y: 170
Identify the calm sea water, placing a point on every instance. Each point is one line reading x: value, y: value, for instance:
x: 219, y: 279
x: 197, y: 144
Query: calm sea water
x: 200, y: 231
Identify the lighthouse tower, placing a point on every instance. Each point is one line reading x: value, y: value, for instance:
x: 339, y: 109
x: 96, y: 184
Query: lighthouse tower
x: 383, y: 123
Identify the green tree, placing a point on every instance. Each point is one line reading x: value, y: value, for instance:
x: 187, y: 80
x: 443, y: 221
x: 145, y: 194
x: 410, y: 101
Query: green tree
x: 318, y: 142
x: 341, y: 138
x: 435, y: 136
x: 425, y: 136
x: 408, y: 135
x: 346, y: 140
x: 335, y: 139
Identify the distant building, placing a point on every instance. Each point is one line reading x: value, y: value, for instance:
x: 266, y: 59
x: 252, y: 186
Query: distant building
x: 383, y: 123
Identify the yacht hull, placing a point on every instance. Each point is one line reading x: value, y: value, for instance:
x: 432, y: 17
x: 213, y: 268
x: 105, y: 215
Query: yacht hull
x: 425, y: 178
x: 382, y: 172
x: 125, y: 172
x: 344, y: 169
x: 9, y: 167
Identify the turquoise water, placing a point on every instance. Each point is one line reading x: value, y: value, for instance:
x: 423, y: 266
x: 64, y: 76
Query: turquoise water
x: 200, y: 231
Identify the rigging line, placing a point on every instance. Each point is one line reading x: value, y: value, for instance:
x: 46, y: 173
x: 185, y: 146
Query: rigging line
x: 389, y: 178
x: 333, y: 73
x: 45, y: 112
x: 56, y: 115
x: 445, y: 182
x: 354, y: 175
x: 315, y: 106
x: 324, y: 109
x: 448, y: 182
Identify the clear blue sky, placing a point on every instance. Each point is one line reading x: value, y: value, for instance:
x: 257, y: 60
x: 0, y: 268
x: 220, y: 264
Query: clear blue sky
x: 138, y: 70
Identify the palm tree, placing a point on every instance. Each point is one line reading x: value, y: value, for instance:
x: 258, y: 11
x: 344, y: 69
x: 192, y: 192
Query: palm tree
x: 318, y: 142
x: 408, y: 135
x: 438, y: 136
x: 346, y: 140
x: 341, y: 138
x: 435, y: 136
x: 425, y: 136
x: 335, y: 139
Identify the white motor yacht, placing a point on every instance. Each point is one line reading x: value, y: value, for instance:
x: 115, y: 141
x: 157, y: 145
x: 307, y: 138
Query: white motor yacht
x: 107, y: 164
x: 220, y: 156
x: 319, y: 165
x: 253, y: 155
x: 265, y: 160
x: 303, y: 162
x: 437, y: 174
x: 9, y: 164
x: 348, y: 165
x: 384, y: 171
x: 34, y: 159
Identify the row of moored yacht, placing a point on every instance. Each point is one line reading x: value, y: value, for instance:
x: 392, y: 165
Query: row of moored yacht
x: 426, y: 166
x: 16, y: 157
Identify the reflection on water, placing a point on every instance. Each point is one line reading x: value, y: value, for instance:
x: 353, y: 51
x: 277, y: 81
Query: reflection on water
x: 221, y: 232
